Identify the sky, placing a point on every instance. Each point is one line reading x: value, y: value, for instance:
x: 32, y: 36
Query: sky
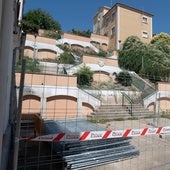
x: 78, y: 14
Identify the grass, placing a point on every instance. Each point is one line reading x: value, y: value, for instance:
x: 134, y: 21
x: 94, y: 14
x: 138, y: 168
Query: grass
x: 32, y: 66
x: 103, y: 121
x: 167, y: 116
x: 133, y: 118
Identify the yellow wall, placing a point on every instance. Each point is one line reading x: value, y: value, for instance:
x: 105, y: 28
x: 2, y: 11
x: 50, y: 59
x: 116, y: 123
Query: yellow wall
x: 131, y: 24
x: 95, y: 60
x: 50, y: 80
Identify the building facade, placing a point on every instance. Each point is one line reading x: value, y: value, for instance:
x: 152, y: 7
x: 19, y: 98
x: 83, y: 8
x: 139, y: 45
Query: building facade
x: 122, y: 21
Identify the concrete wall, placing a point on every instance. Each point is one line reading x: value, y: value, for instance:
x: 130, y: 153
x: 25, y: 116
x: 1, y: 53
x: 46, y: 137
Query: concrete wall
x: 55, y: 97
x: 76, y: 37
x: 7, y: 13
x: 41, y: 39
x: 97, y: 60
x: 50, y: 80
x: 160, y: 99
x: 163, y: 86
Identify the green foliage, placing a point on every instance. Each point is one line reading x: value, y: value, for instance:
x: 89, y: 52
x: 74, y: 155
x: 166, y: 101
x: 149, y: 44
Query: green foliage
x: 39, y: 19
x: 166, y: 115
x: 67, y: 49
x: 81, y: 33
x: 52, y: 34
x: 29, y: 27
x: 32, y: 66
x: 102, y: 53
x: 130, y: 57
x: 146, y: 58
x: 162, y: 37
x: 66, y: 58
x: 84, y: 76
x: 124, y: 78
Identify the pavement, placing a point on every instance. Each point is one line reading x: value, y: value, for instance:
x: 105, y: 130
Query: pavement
x: 154, y: 149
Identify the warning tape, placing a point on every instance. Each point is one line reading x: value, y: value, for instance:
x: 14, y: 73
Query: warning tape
x: 94, y: 135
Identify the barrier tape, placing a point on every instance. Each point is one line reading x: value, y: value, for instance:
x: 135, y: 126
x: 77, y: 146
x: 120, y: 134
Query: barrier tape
x: 94, y: 135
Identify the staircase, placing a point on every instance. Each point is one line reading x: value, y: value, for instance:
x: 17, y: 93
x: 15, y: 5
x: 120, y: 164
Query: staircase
x: 113, y: 112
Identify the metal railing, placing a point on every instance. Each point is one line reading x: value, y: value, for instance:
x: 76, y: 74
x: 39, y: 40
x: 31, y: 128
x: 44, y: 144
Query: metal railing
x: 125, y: 96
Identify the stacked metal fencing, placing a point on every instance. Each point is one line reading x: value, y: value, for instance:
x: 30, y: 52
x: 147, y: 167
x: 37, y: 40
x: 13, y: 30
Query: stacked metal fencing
x: 86, y: 154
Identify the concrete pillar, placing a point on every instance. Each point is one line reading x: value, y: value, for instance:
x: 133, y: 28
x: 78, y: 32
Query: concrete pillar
x: 43, y: 107
x: 79, y: 105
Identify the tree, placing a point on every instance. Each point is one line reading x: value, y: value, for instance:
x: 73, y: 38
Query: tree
x: 152, y: 59
x: 81, y: 33
x: 124, y: 78
x: 130, y: 57
x: 162, y: 37
x: 84, y: 76
x: 39, y: 19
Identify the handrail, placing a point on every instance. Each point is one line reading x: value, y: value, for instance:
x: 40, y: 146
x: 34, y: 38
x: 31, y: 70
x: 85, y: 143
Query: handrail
x: 124, y: 95
x: 84, y: 90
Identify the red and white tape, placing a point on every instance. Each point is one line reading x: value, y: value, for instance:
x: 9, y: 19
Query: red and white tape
x: 93, y: 135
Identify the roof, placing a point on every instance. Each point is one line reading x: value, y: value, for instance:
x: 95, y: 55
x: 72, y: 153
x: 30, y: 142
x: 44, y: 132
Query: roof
x: 100, y: 8
x: 131, y: 8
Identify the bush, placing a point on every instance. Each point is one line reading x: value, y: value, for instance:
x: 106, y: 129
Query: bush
x: 124, y: 78
x: 66, y: 58
x: 84, y: 76
x: 31, y: 65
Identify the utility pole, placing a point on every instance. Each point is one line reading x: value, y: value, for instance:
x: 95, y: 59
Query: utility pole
x: 18, y: 117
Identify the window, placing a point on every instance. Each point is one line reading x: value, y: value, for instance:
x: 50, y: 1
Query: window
x: 106, y: 20
x: 145, y: 34
x: 113, y: 15
x: 112, y: 30
x: 144, y: 19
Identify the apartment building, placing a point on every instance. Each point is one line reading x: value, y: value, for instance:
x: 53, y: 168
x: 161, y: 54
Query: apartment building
x: 120, y: 22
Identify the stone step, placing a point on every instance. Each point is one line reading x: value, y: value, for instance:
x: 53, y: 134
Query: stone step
x: 117, y: 111
x: 124, y: 116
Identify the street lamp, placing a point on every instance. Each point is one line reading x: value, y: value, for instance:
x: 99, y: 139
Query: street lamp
x: 35, y: 47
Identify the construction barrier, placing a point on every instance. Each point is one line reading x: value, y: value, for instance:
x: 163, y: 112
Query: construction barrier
x: 94, y: 135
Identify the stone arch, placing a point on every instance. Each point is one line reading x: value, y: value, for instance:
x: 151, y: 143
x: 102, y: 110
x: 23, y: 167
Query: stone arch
x: 104, y: 46
x: 87, y: 49
x: 77, y: 47
x: 31, y: 104
x: 95, y: 43
x: 164, y: 104
x: 28, y: 51
x: 102, y: 76
x: 61, y: 106
x: 87, y: 109
x: 46, y: 54
x: 151, y: 106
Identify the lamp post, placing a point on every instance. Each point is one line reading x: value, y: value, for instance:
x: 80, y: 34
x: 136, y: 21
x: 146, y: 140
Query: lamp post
x: 35, y: 47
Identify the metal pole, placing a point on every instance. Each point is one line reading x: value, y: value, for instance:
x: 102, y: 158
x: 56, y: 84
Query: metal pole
x: 35, y: 47
x: 142, y: 61
x: 18, y: 116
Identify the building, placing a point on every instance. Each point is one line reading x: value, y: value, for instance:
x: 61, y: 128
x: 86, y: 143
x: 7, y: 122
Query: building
x: 10, y: 33
x: 122, y: 21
